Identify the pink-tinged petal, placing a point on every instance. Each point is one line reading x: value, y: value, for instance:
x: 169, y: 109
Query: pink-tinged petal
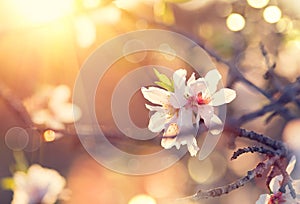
x: 206, y: 112
x: 179, y: 78
x: 212, y: 79
x: 156, y: 95
x: 157, y: 122
x: 216, y: 125
x: 291, y: 165
x: 155, y: 108
x: 263, y: 199
x: 196, y: 87
x: 223, y: 96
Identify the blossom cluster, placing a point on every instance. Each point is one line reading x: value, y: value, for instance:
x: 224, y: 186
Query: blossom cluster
x: 278, y: 197
x: 182, y: 104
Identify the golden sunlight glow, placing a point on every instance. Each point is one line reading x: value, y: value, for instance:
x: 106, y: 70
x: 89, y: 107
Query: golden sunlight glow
x: 272, y: 14
x: 126, y: 4
x: 235, y: 22
x: 49, y: 135
x: 257, y: 3
x: 142, y: 199
x: 42, y: 11
x: 90, y: 4
x: 85, y: 31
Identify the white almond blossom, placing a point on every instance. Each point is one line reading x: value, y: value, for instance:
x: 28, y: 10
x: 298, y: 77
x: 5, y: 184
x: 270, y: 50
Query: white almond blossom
x: 171, y: 115
x: 50, y: 107
x: 38, y: 185
x: 182, y: 106
x: 277, y: 197
x: 203, y: 97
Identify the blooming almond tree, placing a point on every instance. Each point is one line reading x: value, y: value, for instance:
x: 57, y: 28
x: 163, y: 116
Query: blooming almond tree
x: 278, y: 197
x: 182, y: 104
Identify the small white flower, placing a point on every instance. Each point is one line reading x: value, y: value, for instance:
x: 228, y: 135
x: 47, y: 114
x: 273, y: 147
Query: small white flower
x: 278, y: 197
x: 38, y: 185
x: 203, y: 97
x: 171, y: 115
x: 50, y: 107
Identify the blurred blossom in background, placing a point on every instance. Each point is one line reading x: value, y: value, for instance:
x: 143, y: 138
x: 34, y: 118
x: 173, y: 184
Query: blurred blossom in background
x: 47, y: 41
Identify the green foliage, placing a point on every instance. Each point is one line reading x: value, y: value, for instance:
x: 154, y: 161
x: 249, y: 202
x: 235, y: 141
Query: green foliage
x: 164, y: 81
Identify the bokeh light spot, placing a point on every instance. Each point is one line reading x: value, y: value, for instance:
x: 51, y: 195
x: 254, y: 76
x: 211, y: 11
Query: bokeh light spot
x: 235, y: 22
x: 291, y: 134
x: 16, y: 138
x: 49, y: 135
x: 142, y: 199
x: 272, y: 14
x: 257, y: 3
x: 200, y: 171
x: 134, y: 46
x: 85, y: 31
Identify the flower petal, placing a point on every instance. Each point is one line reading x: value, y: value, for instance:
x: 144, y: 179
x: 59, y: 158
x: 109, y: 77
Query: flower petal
x: 196, y: 87
x: 191, y: 79
x: 156, y: 95
x: 179, y: 78
x: 154, y: 108
x: 177, y: 101
x: 168, y: 142
x: 206, y: 112
x: 275, y: 183
x: 223, y: 96
x: 263, y: 199
x: 212, y: 79
x: 216, y: 125
x: 157, y: 122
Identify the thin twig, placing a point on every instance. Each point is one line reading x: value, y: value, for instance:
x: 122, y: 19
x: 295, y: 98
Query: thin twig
x: 257, y: 172
x: 253, y: 149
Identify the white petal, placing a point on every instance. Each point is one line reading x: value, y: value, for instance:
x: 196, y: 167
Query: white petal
x: 156, y: 95
x: 275, y: 183
x: 206, y: 112
x: 212, y: 79
x: 179, y: 78
x: 197, y: 86
x: 193, y: 147
x: 157, y: 122
x: 168, y: 143
x: 191, y: 79
x: 291, y: 165
x: 154, y: 108
x: 216, y: 125
x: 177, y: 101
x: 296, y: 185
x: 263, y: 199
x: 223, y: 96
x: 187, y: 131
